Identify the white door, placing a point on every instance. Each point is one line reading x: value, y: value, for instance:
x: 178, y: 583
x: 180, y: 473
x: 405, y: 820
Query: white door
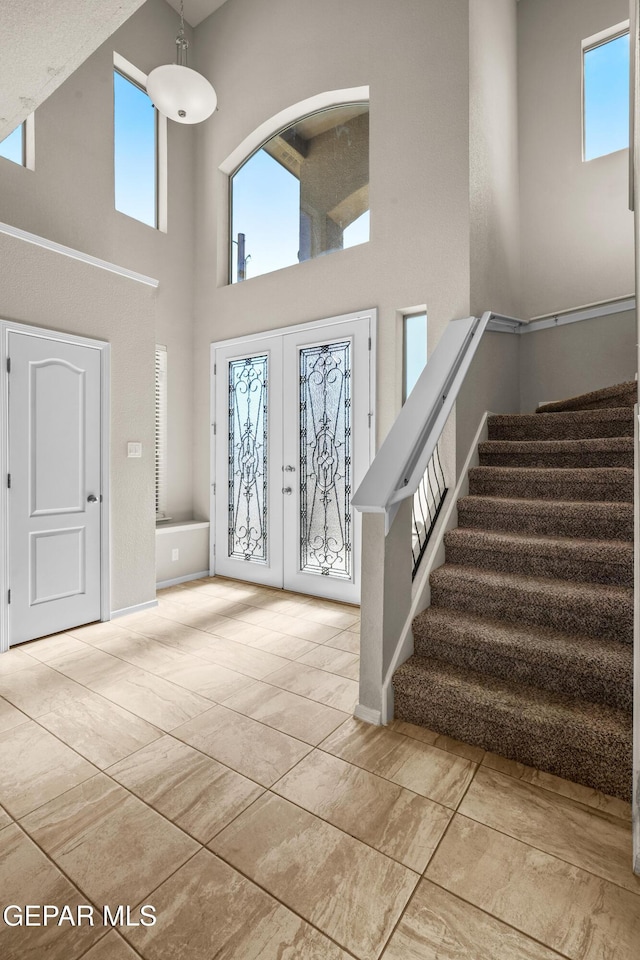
x: 292, y: 443
x: 54, y: 495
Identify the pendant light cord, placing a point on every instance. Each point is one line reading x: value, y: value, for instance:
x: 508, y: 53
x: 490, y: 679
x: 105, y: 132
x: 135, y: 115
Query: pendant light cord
x: 182, y: 43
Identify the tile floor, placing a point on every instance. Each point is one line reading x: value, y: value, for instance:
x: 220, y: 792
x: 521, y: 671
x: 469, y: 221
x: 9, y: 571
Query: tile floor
x: 201, y: 757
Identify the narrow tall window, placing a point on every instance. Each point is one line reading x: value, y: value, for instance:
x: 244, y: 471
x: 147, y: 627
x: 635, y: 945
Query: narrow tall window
x: 414, y: 339
x: 135, y: 151
x: 13, y: 147
x: 606, y: 92
x: 161, y: 432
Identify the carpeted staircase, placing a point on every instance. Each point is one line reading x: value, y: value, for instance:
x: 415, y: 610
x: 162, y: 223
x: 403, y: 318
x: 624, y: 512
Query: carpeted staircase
x: 526, y: 649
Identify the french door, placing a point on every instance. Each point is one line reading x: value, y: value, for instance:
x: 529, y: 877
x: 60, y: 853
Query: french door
x: 291, y: 444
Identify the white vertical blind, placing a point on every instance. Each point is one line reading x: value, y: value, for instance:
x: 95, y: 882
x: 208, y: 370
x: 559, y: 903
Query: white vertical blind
x: 161, y: 431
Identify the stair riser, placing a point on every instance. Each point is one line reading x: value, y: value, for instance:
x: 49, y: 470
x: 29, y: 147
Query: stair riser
x: 539, y: 428
x: 561, y: 568
x: 578, y: 460
x: 585, y: 614
x: 552, y: 487
x: 602, y: 527
x: 607, y: 769
x: 612, y: 691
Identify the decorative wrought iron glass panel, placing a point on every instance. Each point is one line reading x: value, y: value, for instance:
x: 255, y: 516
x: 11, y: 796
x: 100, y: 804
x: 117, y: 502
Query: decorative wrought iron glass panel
x: 248, y: 382
x: 325, y: 460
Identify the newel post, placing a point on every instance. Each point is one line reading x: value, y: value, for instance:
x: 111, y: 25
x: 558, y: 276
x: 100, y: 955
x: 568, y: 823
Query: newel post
x: 385, y: 605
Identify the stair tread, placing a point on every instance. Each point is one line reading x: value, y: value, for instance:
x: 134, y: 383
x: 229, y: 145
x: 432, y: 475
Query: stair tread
x: 565, y: 735
x: 577, y: 445
x: 521, y: 702
x: 604, y: 551
x: 528, y: 640
x: 584, y: 400
x: 549, y: 586
x: 588, y: 474
x: 598, y: 414
x: 530, y: 505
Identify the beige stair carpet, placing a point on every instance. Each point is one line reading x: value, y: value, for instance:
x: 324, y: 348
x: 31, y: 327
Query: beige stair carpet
x: 526, y: 649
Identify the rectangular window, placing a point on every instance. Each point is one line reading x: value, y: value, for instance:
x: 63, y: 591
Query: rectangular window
x: 605, y: 71
x: 135, y: 150
x: 13, y: 147
x: 161, y: 432
x: 414, y: 340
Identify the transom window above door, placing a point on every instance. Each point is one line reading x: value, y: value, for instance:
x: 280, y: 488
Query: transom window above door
x: 303, y: 194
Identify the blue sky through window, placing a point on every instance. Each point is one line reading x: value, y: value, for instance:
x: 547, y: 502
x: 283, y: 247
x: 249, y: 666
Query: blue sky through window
x: 606, y: 98
x: 266, y: 208
x: 415, y: 349
x: 357, y: 232
x: 134, y: 151
x: 12, y: 146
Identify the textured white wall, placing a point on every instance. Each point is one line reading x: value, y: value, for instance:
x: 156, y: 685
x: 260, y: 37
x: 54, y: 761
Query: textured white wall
x: 69, y: 198
x: 493, y: 157
x: 562, y: 362
x: 414, y: 56
x: 49, y: 290
x: 42, y: 45
x: 577, y: 231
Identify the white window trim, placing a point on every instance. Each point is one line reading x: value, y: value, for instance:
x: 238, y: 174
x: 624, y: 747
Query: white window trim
x: 133, y: 73
x: 28, y: 130
x: 280, y: 121
x: 160, y: 381
x: 590, y: 43
x: 403, y: 316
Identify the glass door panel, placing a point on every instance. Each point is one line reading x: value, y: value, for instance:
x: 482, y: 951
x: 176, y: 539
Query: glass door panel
x: 292, y: 443
x: 248, y: 501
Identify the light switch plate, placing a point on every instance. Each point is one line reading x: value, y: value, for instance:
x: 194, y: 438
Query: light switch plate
x: 134, y: 449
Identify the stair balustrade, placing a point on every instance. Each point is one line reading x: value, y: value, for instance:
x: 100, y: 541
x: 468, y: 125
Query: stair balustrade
x: 402, y: 497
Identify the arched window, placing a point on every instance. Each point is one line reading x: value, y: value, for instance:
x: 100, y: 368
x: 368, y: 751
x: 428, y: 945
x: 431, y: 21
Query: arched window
x: 304, y: 193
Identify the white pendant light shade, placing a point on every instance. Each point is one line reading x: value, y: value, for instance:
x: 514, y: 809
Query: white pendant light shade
x: 180, y: 93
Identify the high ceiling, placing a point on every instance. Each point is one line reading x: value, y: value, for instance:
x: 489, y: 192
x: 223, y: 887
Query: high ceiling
x: 195, y: 11
x: 43, y: 43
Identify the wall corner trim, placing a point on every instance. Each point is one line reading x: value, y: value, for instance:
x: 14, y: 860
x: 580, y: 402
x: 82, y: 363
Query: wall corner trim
x: 19, y: 234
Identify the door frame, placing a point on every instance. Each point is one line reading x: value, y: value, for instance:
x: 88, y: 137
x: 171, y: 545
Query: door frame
x: 104, y: 348
x: 370, y: 314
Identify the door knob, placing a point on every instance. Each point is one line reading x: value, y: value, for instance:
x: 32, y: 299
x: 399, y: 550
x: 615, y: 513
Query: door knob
x: 287, y: 490
x: 92, y: 498
x: 289, y: 468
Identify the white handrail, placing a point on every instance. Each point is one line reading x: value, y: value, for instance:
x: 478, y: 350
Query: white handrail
x: 400, y: 464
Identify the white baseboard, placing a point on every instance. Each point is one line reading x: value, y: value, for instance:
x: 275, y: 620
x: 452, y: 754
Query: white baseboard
x: 161, y: 584
x: 136, y: 608
x: 368, y: 715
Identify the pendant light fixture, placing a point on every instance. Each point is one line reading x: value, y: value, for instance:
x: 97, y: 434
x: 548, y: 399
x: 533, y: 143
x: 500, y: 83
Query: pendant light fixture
x: 177, y: 91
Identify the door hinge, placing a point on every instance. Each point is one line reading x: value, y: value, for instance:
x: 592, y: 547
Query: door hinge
x: 370, y: 415
x: 9, y: 480
x: 369, y: 343
x: 8, y: 364
x: 215, y: 369
x: 8, y: 596
x: 214, y: 489
x: 214, y: 428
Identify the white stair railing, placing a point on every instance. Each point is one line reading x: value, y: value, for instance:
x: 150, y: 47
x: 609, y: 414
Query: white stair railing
x: 401, y: 497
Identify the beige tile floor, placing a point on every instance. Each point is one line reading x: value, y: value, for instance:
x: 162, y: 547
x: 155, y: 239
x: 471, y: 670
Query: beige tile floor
x: 202, y: 757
